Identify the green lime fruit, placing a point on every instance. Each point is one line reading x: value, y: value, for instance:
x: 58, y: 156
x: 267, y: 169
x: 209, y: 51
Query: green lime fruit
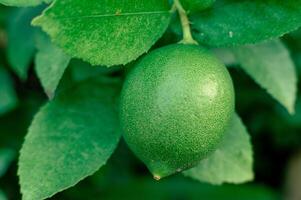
x: 175, y: 106
x: 196, y: 5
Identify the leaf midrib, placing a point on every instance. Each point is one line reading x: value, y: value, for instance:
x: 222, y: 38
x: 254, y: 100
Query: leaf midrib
x: 117, y: 14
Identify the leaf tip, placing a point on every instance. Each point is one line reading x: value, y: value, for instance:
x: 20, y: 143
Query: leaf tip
x: 36, y: 21
x: 290, y: 106
x: 291, y: 110
x: 50, y: 94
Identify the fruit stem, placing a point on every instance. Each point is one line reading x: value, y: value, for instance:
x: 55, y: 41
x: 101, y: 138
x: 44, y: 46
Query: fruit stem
x: 187, y: 36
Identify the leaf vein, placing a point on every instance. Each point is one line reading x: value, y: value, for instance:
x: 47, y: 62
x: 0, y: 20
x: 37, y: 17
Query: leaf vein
x: 117, y: 15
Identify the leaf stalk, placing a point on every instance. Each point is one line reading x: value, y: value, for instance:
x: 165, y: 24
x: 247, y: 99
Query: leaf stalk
x: 187, y: 36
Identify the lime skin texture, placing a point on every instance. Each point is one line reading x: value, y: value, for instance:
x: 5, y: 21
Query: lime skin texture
x: 175, y: 106
x: 196, y: 5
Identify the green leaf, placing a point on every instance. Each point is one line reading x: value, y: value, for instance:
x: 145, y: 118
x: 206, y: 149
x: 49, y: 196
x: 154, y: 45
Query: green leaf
x: 6, y: 157
x: 271, y: 66
x: 8, y: 97
x: 231, y: 162
x: 82, y: 70
x: 21, y: 40
x: 69, y: 139
x: 226, y: 56
x: 106, y: 32
x: 234, y: 22
x: 3, y: 18
x: 23, y: 2
x: 50, y: 64
x: 2, y: 196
